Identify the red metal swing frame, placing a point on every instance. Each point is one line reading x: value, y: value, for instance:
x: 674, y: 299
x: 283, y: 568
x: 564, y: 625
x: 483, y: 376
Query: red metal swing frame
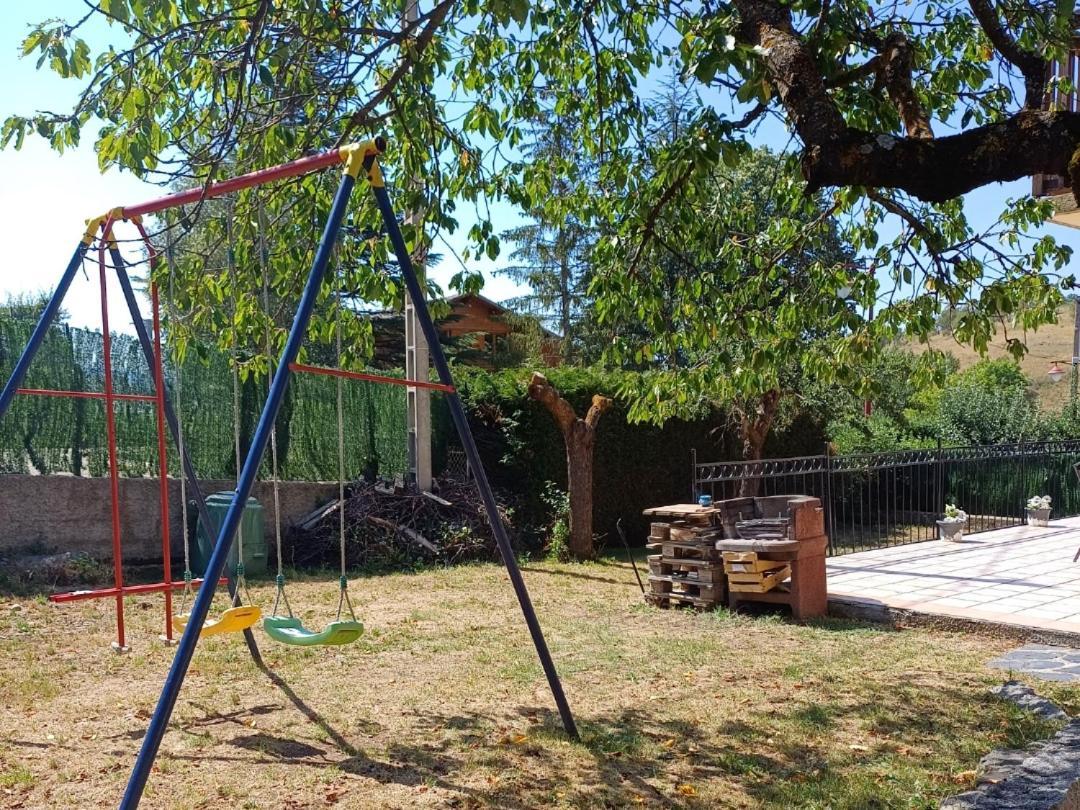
x: 135, y: 214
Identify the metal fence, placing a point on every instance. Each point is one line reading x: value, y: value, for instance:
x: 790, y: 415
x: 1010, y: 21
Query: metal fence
x: 885, y: 499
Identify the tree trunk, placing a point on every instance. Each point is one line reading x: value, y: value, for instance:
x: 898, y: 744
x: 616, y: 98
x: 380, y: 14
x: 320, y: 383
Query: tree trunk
x: 579, y: 482
x: 564, y: 297
x: 579, y: 435
x: 754, y: 430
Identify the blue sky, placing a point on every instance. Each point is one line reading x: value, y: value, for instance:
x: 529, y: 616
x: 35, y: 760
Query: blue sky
x: 44, y: 197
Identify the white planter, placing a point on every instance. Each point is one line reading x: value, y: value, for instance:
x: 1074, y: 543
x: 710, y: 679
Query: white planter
x: 1038, y: 517
x: 950, y: 531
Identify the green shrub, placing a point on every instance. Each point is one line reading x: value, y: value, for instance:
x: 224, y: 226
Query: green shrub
x: 635, y: 465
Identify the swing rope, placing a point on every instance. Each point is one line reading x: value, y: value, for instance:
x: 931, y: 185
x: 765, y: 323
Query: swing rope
x: 230, y: 255
x: 170, y: 309
x: 343, y: 597
x: 264, y: 261
x: 289, y: 629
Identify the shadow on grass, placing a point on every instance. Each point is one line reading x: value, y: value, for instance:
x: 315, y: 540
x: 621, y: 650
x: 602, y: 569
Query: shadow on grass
x: 576, y: 575
x: 911, y: 740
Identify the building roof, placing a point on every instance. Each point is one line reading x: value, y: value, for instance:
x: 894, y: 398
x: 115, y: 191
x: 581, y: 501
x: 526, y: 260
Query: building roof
x: 499, y: 308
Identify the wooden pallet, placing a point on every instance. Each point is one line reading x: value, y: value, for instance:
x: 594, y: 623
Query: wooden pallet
x: 758, y: 581
x: 665, y: 600
x: 703, y: 571
x: 748, y: 563
x: 664, y: 585
x: 686, y: 550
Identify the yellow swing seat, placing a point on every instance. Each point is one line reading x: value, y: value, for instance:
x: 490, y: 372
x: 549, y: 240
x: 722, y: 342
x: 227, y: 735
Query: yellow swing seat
x: 232, y: 620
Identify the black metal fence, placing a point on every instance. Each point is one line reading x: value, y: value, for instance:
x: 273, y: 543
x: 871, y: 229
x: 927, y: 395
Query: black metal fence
x: 884, y: 499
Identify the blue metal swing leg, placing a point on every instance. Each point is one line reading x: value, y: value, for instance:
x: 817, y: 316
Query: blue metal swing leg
x: 42, y: 328
x: 201, y: 606
x: 457, y: 413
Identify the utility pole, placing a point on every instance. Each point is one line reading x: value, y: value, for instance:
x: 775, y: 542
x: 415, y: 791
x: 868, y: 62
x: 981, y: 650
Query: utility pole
x: 417, y: 362
x: 1074, y: 382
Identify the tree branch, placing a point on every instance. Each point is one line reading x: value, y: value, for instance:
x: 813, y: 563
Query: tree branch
x: 435, y: 18
x: 546, y: 394
x: 1032, y: 66
x: 895, y: 73
x: 934, y: 170
x: 600, y: 405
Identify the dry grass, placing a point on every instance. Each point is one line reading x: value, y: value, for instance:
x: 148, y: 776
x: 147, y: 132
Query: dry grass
x: 443, y: 705
x: 1051, y: 342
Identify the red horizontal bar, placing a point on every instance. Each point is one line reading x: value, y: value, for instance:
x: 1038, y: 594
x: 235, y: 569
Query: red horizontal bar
x: 126, y: 590
x: 378, y: 378
x: 49, y: 392
x: 294, y: 168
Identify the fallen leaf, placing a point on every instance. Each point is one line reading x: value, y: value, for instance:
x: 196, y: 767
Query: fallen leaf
x: 687, y: 790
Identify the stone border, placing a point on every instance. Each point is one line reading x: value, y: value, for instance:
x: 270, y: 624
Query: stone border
x: 873, y: 611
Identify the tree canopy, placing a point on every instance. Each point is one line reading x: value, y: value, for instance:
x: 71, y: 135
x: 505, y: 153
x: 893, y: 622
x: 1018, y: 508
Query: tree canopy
x: 187, y: 89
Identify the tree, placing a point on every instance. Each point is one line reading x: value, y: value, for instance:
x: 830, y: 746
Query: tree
x: 580, y: 438
x: 189, y: 87
x: 724, y: 309
x: 551, y: 254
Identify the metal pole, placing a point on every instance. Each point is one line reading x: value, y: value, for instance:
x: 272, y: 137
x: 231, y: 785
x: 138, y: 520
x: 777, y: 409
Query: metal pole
x: 163, y: 457
x: 110, y: 430
x: 170, y: 419
x: 37, y: 337
x: 186, y: 648
x: 693, y: 475
x: 457, y: 413
x: 1074, y: 382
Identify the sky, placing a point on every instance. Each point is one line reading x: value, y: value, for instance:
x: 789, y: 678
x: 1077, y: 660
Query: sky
x: 45, y: 197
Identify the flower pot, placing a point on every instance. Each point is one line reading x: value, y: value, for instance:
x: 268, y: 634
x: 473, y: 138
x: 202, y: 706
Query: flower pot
x: 1038, y: 517
x: 950, y: 531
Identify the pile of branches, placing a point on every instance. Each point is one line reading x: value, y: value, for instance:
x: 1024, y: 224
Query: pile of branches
x: 387, y: 527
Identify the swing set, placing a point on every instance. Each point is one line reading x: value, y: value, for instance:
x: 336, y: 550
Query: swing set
x: 356, y: 159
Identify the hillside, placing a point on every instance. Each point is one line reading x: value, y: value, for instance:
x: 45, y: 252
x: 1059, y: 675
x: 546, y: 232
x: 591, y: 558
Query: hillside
x: 1051, y: 342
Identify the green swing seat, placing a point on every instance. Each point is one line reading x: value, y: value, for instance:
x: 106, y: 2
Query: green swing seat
x: 289, y: 630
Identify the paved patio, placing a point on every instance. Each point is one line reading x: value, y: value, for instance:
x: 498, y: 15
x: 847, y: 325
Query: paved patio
x: 1022, y: 576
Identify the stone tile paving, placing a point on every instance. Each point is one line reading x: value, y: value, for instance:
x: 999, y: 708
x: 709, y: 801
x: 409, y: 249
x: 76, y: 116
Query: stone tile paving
x: 1044, y: 661
x: 1021, y: 576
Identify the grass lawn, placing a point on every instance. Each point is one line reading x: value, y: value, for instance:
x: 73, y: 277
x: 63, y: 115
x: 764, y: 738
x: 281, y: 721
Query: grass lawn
x: 442, y: 704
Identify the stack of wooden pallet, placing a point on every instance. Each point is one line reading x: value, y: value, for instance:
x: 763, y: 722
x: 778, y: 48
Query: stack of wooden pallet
x: 748, y: 573
x: 688, y: 570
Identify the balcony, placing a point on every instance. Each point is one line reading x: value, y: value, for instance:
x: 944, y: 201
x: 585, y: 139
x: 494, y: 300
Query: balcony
x: 1055, y: 187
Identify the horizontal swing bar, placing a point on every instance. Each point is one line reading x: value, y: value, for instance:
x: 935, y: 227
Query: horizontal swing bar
x: 49, y: 392
x: 126, y: 590
x: 377, y: 378
x: 295, y: 168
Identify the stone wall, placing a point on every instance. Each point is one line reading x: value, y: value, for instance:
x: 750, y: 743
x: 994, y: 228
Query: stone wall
x: 46, y: 514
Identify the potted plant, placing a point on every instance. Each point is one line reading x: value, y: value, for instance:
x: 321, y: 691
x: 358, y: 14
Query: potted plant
x: 951, y: 527
x: 1038, y: 510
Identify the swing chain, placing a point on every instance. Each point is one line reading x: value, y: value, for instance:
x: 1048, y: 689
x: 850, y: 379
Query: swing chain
x: 187, y: 591
x: 343, y: 598
x: 280, y: 596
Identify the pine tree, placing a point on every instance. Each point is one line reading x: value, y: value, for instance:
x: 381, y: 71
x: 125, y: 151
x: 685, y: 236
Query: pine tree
x: 551, y: 256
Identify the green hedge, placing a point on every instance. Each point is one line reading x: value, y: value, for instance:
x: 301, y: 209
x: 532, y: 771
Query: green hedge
x: 636, y: 465
x: 50, y: 435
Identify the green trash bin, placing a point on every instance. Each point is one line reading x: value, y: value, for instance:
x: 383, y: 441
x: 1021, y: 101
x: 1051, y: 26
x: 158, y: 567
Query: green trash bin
x: 251, y: 529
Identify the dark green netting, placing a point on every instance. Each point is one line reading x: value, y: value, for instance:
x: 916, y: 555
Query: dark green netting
x: 49, y: 435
